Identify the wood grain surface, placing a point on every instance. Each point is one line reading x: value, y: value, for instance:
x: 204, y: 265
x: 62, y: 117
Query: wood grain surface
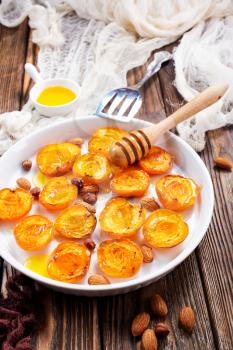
x: 203, y: 281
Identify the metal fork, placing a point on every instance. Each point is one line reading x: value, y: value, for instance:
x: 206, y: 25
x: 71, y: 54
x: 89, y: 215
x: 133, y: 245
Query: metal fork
x: 123, y: 104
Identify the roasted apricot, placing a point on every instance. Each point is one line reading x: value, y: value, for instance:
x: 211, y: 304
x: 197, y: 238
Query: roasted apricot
x: 157, y: 161
x: 92, y: 168
x: 34, y: 232
x: 176, y: 192
x: 103, y: 139
x: 57, y: 159
x: 14, y: 204
x: 164, y: 229
x: 69, y: 262
x: 119, y: 257
x: 120, y: 218
x: 75, y: 222
x: 58, y: 193
x: 130, y: 183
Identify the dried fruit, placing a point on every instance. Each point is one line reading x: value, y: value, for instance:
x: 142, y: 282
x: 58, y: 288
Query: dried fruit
x: 187, y: 319
x: 27, y: 164
x: 161, y: 329
x: 157, y: 161
x: 89, y: 189
x: 90, y: 244
x: 165, y: 228
x: 140, y: 323
x: 223, y: 163
x: 35, y: 192
x: 77, y: 182
x: 89, y: 207
x: 130, y: 183
x: 98, y: 279
x: 120, y: 218
x: 158, y: 305
x: 149, y: 203
x: 76, y: 141
x: 119, y: 257
x: 147, y: 254
x: 90, y: 198
x: 149, y: 340
x: 24, y: 183
x: 14, y: 204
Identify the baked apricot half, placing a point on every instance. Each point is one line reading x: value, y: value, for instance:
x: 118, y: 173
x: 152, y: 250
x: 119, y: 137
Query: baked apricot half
x: 57, y: 159
x: 34, y: 232
x: 130, y: 183
x: 58, y: 193
x: 69, y: 262
x: 75, y: 222
x: 92, y: 168
x: 103, y: 139
x: 157, y: 161
x: 120, y: 218
x: 14, y: 204
x: 119, y: 257
x: 164, y: 229
x: 176, y: 192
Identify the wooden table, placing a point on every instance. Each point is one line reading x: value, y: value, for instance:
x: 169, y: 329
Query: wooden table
x: 203, y: 281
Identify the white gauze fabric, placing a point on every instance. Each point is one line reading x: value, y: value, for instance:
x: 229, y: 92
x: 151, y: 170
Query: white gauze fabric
x: 101, y: 41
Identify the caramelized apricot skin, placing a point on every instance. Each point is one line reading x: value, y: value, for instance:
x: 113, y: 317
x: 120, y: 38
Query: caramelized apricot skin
x: 92, y: 168
x: 103, y: 139
x: 69, y: 262
x: 119, y: 258
x: 34, y: 232
x: 75, y: 222
x: 58, y: 194
x: 121, y: 219
x: 157, y: 161
x: 130, y: 183
x: 165, y: 229
x: 176, y: 192
x: 14, y: 204
x: 57, y: 159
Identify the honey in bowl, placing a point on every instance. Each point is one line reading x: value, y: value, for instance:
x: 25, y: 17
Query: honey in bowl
x: 56, y: 96
x: 38, y: 264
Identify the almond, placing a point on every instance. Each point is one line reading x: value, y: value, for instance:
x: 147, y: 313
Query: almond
x: 86, y: 205
x: 147, y: 253
x: 149, y: 340
x: 187, y: 319
x: 98, y: 279
x: 78, y: 141
x: 140, y: 323
x: 27, y: 164
x: 158, y: 305
x: 149, y: 203
x: 90, y: 198
x: 161, y: 329
x: 24, y: 183
x: 89, y: 189
x: 223, y: 163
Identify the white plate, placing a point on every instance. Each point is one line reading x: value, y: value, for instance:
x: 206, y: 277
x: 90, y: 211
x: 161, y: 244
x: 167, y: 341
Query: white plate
x: 187, y: 163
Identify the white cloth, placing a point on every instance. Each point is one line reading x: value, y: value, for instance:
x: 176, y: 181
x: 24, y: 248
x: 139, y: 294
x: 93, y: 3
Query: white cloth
x: 103, y: 39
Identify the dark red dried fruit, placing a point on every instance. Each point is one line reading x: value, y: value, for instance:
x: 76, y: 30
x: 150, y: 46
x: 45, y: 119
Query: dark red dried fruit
x: 77, y: 182
x: 90, y: 244
x: 35, y: 192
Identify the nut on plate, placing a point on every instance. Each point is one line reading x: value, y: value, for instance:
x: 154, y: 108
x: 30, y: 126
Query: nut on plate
x: 90, y: 244
x: 90, y: 198
x: 223, y: 163
x: 158, y: 305
x: 147, y: 254
x: 149, y: 203
x: 89, y: 207
x: 27, y: 164
x: 24, y: 183
x: 77, y: 182
x: 98, y: 279
x: 187, y: 319
x: 149, y: 340
x: 35, y: 192
x: 89, y: 189
x: 161, y: 329
x: 140, y: 323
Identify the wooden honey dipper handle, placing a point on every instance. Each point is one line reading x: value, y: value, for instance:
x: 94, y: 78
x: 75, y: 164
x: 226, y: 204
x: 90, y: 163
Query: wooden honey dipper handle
x: 136, y: 144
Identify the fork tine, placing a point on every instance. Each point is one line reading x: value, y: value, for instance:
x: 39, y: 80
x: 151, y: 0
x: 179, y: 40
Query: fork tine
x: 128, y: 101
x: 106, y: 99
x: 117, y: 100
x: 136, y: 106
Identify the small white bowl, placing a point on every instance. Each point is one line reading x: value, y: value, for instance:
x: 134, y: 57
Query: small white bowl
x: 40, y: 85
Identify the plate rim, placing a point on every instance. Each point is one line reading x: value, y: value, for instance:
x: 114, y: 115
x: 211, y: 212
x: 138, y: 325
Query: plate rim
x: 118, y: 287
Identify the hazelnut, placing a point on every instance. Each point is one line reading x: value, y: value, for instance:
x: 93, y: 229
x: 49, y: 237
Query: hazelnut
x: 90, y: 244
x: 27, y: 164
x: 90, y: 198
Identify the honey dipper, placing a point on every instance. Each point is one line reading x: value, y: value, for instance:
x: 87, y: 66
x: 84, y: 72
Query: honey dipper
x: 137, y: 143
